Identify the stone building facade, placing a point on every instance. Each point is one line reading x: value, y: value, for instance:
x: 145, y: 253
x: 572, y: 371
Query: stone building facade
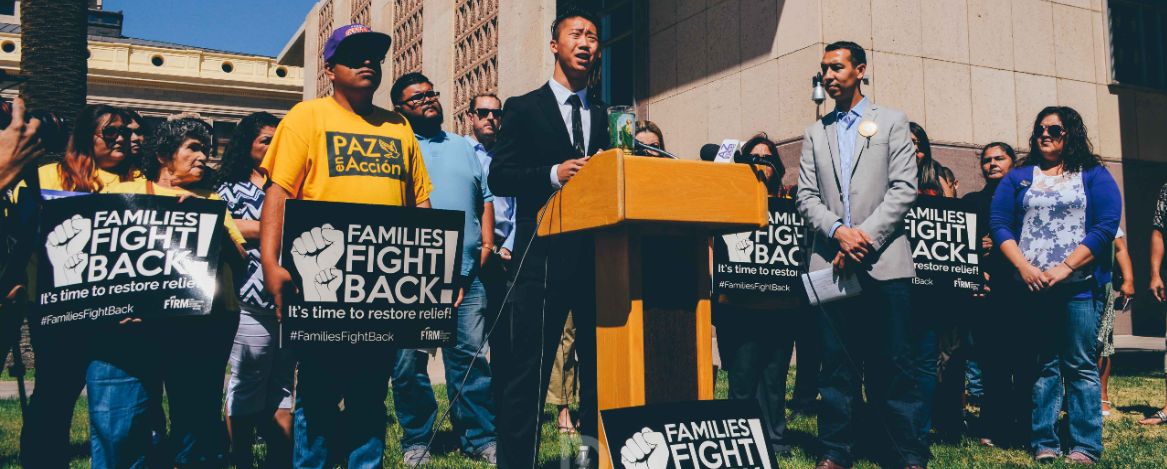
x: 159, y: 79
x: 970, y: 71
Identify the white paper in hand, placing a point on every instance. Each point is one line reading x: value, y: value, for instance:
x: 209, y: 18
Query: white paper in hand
x: 824, y: 286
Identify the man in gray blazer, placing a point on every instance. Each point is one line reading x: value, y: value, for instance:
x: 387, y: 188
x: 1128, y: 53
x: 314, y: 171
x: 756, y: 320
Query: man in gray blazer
x: 856, y: 183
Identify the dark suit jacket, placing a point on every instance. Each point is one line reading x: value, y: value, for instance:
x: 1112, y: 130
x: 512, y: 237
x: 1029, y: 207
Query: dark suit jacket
x: 532, y: 139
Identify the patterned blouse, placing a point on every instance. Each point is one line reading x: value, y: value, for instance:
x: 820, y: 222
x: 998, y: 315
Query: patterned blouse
x: 1159, y: 219
x: 244, y: 201
x: 1055, y: 220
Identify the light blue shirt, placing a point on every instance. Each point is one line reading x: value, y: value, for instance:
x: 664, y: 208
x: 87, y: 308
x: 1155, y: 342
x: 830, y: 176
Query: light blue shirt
x: 504, y: 207
x: 847, y: 130
x: 459, y: 184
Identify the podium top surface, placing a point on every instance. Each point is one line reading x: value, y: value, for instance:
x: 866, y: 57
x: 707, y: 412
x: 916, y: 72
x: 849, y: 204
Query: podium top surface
x: 615, y: 189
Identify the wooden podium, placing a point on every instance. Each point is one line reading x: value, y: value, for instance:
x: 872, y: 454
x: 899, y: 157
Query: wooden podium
x: 651, y: 219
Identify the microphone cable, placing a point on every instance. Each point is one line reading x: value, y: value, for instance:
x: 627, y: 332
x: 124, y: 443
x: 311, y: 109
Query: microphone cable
x: 494, y: 323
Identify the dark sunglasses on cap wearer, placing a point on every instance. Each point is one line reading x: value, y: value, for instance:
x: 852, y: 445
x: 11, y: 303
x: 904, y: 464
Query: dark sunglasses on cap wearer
x: 483, y: 112
x: 421, y: 97
x: 110, y: 133
x: 1055, y: 131
x: 357, y: 61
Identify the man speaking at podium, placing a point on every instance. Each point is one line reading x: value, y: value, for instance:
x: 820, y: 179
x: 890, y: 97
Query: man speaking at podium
x: 545, y: 138
x: 857, y: 181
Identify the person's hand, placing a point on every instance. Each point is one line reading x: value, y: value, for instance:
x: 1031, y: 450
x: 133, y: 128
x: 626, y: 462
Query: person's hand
x: 839, y: 264
x: 277, y: 280
x: 504, y: 254
x: 1056, y: 274
x: 1127, y: 289
x: 1157, y: 289
x: 567, y: 169
x: 19, y: 144
x: 461, y: 295
x: 986, y: 245
x: 1032, y: 276
x: 853, y: 242
x: 127, y: 321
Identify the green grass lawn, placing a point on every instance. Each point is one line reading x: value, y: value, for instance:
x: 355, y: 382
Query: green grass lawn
x: 1128, y: 445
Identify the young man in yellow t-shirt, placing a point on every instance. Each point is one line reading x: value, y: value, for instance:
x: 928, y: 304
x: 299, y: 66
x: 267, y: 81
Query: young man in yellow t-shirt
x: 340, y: 149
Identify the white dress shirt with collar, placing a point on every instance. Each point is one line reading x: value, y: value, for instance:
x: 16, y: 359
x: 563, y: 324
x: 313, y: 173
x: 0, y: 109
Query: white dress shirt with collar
x: 561, y: 95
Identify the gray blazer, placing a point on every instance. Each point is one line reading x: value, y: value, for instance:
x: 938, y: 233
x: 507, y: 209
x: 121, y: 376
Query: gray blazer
x: 883, y: 188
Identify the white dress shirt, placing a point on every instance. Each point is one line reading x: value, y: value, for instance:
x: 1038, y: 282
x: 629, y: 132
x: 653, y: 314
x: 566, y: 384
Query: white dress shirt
x: 561, y: 95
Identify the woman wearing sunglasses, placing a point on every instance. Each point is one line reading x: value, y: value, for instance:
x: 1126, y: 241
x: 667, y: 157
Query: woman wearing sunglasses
x: 134, y: 359
x: 1053, y: 216
x: 97, y: 155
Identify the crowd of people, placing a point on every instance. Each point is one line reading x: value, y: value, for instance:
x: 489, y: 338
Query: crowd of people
x: 1051, y: 244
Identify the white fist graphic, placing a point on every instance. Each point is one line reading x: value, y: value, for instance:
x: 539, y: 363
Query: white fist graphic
x: 66, y: 249
x: 645, y: 450
x: 315, y: 254
x: 740, y: 246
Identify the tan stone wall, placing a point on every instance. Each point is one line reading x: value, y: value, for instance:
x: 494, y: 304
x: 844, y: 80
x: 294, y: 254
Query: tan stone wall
x: 970, y: 71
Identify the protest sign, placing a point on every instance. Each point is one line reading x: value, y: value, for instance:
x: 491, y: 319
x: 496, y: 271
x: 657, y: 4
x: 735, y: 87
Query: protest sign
x: 766, y: 262
x: 942, y: 233
x: 371, y: 274
x: 721, y: 434
x: 118, y: 255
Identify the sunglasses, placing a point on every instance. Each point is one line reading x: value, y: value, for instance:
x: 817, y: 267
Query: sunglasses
x: 483, y: 112
x: 421, y: 97
x: 110, y: 133
x: 1055, y: 131
x: 358, y: 62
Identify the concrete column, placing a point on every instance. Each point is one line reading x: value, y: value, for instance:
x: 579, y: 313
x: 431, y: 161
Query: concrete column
x: 524, y: 32
x: 437, y: 51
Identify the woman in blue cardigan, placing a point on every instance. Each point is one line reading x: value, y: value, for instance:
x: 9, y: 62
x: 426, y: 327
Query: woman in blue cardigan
x: 1052, y: 216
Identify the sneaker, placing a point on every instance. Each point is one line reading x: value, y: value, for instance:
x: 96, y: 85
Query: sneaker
x: 416, y: 456
x: 1079, y: 458
x: 1046, y: 456
x: 489, y: 454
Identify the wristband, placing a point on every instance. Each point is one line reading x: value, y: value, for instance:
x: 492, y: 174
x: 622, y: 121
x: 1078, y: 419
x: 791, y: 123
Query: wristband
x: 1067, y: 264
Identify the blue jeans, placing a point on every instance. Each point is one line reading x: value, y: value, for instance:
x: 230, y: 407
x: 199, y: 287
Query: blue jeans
x: 119, y: 418
x: 1067, y: 353
x: 473, y: 413
x: 125, y: 382
x: 322, y: 432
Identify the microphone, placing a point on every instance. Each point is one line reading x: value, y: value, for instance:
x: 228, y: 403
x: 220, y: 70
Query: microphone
x: 709, y: 151
x: 646, y: 147
x: 724, y: 153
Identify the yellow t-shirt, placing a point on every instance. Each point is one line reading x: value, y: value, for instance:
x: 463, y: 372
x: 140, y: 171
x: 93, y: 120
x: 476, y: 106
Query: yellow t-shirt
x: 322, y: 151
x: 50, y: 179
x: 225, y: 295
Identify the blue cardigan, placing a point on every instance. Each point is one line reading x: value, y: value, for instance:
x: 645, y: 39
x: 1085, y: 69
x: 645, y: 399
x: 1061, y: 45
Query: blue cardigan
x: 1103, y: 208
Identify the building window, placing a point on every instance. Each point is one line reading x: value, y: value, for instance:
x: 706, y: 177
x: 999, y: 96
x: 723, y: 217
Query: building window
x: 8, y: 7
x: 362, y: 11
x: 281, y: 72
x: 8, y: 47
x: 323, y: 84
x: 475, y: 56
x: 1138, y: 42
x: 227, y: 67
x: 616, y: 75
x: 407, y: 17
x: 157, y: 60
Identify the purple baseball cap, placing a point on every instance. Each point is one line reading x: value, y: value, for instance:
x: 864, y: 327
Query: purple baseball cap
x: 356, y: 37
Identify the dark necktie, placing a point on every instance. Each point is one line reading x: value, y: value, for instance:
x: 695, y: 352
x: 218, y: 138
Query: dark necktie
x: 577, y: 135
